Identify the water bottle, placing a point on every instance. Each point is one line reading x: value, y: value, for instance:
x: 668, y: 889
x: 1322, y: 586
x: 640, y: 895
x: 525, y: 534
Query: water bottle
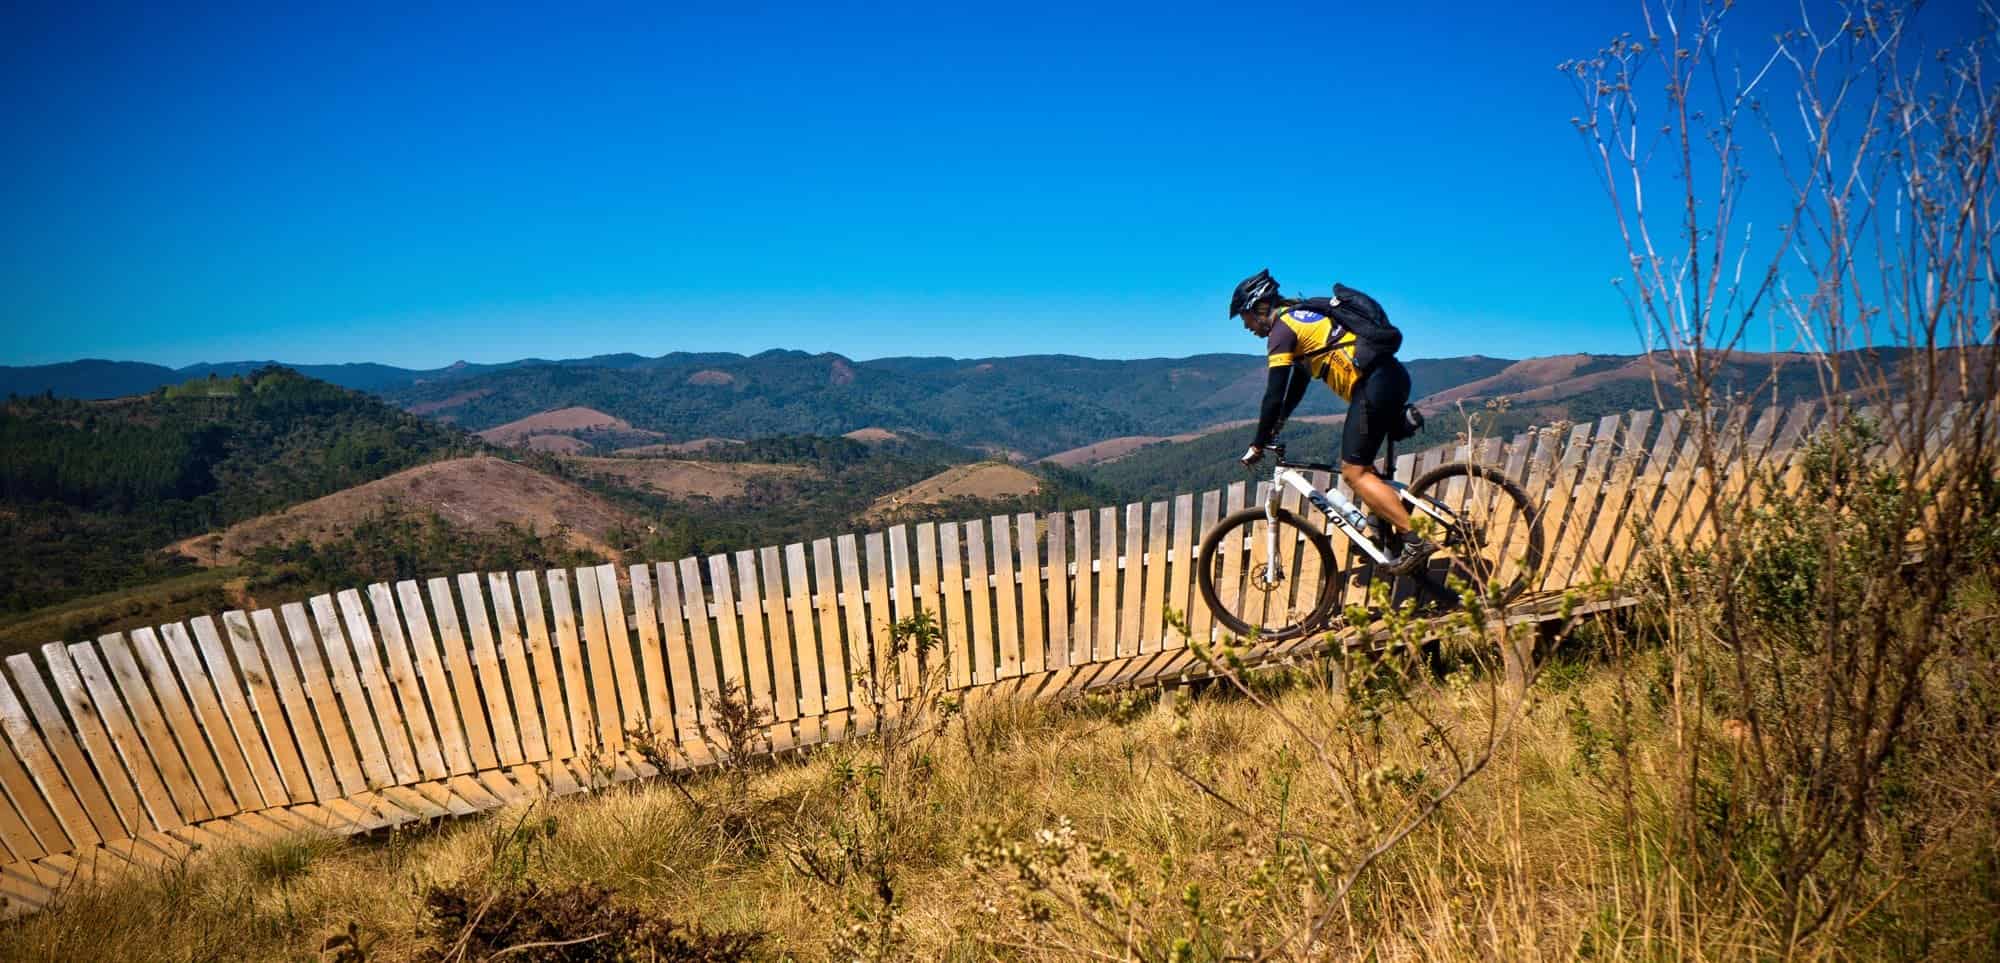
x: 1357, y: 518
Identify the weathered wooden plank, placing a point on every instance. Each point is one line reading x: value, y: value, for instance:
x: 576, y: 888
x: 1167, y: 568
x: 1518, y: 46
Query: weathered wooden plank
x: 1180, y: 585
x: 402, y: 671
x: 1737, y: 489
x: 727, y: 637
x: 659, y: 710
x: 1083, y: 560
x: 135, y: 788
x: 179, y: 721
x: 368, y: 664
x: 541, y: 657
x: 208, y: 716
x: 448, y: 703
x: 1587, y: 503
x: 1034, y: 633
x: 680, y: 668
x: 879, y: 618
x: 780, y: 611
x: 957, y: 629
x: 979, y: 608
x: 929, y: 590
x: 1057, y: 593
x: 29, y: 826
x: 842, y: 593
x: 1153, y: 630
x: 1645, y: 498
x: 1720, y: 445
x: 82, y: 826
x: 486, y: 661
x: 100, y: 792
x: 520, y: 674
x: 1131, y: 581
x: 708, y: 678
x: 130, y: 691
x: 815, y: 623
x: 298, y: 720
x: 1562, y: 492
x: 902, y: 599
x: 361, y: 722
x: 1006, y: 600
x: 513, y: 658
x: 479, y: 731
x: 1108, y: 645
x: 1621, y: 480
x: 333, y: 726
x: 756, y: 644
x: 570, y: 654
x: 1229, y: 587
x: 618, y: 638
x: 237, y: 698
x: 815, y: 627
x: 1201, y: 618
x: 266, y: 730
x: 1674, y: 484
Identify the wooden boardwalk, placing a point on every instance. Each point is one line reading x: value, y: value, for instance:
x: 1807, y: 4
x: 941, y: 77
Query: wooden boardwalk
x: 389, y: 704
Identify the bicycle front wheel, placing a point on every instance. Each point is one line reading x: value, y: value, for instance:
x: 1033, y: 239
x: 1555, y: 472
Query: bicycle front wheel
x: 1492, y: 531
x: 1271, y: 579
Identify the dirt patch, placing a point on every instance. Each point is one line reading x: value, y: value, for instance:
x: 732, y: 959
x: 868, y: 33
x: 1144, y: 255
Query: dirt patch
x: 560, y: 444
x: 872, y: 436
x: 478, y: 493
x: 983, y: 480
x: 1110, y: 449
x: 587, y: 922
x: 432, y: 407
x: 711, y: 377
x: 841, y: 373
x: 554, y: 422
x: 677, y: 478
x: 676, y: 448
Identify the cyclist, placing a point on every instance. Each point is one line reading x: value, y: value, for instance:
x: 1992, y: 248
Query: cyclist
x: 1303, y: 342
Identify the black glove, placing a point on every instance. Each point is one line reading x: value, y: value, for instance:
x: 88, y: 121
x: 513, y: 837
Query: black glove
x: 1251, y: 456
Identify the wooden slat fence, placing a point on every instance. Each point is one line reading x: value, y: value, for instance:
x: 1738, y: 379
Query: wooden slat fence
x: 393, y: 703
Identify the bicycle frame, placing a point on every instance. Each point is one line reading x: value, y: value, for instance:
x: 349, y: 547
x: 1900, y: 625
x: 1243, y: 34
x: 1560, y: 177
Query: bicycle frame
x: 1338, y: 508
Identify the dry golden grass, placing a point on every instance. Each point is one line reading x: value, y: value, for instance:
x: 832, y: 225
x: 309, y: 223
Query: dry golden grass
x: 1533, y: 859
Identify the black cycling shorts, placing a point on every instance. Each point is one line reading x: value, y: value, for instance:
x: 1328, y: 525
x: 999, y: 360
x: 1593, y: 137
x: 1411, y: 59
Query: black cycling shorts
x: 1376, y: 408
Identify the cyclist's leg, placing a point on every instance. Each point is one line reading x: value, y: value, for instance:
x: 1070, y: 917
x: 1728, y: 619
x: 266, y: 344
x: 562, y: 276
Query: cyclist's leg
x: 1378, y: 399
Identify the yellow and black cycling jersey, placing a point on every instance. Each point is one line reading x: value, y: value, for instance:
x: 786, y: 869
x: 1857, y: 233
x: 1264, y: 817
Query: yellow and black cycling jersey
x: 1309, y: 338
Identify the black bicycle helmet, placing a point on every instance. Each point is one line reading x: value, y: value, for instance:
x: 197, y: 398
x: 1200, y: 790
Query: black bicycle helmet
x: 1257, y: 287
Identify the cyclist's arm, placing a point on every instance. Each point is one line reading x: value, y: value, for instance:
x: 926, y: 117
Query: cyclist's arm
x: 1285, y: 386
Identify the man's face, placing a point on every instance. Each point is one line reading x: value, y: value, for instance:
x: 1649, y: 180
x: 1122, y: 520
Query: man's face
x: 1257, y: 319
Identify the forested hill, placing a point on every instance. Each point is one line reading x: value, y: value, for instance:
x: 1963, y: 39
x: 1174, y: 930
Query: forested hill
x: 91, y: 490
x: 1035, y: 405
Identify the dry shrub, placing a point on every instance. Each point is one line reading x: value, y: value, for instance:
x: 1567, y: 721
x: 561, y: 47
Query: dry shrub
x: 469, y: 920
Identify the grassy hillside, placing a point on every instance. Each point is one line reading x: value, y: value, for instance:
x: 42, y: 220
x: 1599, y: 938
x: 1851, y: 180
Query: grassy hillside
x: 91, y: 491
x: 1034, y: 404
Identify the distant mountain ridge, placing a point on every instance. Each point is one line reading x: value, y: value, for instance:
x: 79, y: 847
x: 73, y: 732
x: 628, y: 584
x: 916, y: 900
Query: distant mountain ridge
x: 1032, y: 404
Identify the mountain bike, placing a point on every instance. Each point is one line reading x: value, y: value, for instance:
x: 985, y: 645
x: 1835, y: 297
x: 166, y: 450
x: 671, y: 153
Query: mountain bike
x: 1266, y: 570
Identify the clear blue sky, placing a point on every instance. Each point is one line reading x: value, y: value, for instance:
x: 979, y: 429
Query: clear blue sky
x: 482, y: 183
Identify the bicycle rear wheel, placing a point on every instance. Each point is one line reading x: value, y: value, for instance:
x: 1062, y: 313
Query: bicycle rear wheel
x: 1274, y: 581
x: 1492, y: 531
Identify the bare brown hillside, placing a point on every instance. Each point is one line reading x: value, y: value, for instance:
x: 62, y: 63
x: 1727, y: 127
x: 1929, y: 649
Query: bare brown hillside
x: 481, y: 493
x: 871, y: 436
x: 1112, y: 449
x: 983, y: 480
x: 561, y: 422
x: 678, y: 478
x: 676, y: 447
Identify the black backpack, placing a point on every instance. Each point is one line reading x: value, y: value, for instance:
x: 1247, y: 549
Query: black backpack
x: 1354, y: 310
